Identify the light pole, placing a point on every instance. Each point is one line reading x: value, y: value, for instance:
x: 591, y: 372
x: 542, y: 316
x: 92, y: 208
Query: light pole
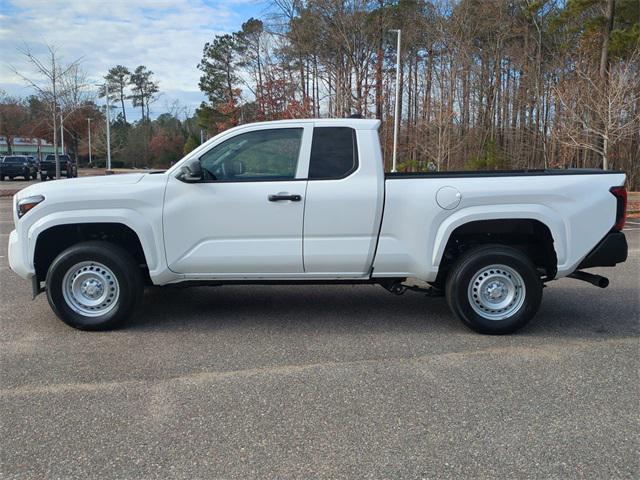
x: 61, y: 132
x: 106, y: 87
x: 396, y: 114
x: 89, y: 131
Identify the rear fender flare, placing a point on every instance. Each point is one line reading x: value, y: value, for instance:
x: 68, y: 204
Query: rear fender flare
x: 543, y: 214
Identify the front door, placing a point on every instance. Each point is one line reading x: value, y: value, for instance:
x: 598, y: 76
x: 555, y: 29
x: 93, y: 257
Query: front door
x: 245, y: 219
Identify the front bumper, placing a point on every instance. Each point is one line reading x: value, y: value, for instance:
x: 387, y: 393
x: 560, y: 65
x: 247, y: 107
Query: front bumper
x: 14, y: 171
x: 17, y: 258
x: 611, y: 250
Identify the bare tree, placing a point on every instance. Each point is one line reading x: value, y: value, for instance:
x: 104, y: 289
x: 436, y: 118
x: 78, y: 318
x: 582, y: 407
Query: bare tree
x: 597, y: 113
x: 56, y: 84
x: 14, y: 117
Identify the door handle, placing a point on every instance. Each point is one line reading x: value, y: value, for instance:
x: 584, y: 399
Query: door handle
x: 279, y: 197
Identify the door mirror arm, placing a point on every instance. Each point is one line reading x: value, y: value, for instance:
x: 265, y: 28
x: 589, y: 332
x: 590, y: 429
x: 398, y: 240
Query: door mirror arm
x: 192, y: 172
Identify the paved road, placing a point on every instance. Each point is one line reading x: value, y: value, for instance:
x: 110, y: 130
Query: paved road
x: 9, y: 187
x: 321, y: 382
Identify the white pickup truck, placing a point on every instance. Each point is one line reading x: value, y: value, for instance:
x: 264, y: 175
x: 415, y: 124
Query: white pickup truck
x: 308, y: 202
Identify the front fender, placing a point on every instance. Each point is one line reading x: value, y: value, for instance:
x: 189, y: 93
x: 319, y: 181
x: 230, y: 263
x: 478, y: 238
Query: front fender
x: 151, y: 243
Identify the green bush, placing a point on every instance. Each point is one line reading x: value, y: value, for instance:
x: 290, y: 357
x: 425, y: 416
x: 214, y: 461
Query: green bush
x: 491, y: 158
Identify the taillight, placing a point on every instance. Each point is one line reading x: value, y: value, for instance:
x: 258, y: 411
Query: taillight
x: 621, y: 210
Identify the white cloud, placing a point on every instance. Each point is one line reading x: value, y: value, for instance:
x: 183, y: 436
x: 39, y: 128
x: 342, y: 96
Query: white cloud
x: 165, y: 35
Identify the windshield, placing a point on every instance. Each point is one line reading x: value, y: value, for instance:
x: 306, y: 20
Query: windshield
x: 63, y: 158
x: 14, y: 160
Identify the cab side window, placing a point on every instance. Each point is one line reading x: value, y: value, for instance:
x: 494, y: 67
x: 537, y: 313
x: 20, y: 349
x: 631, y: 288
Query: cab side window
x: 261, y: 155
x: 334, y: 153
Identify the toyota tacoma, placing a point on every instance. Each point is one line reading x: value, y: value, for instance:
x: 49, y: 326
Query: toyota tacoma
x: 308, y: 202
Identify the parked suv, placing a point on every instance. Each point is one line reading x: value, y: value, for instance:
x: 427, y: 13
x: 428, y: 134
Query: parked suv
x: 17, y: 166
x: 68, y: 167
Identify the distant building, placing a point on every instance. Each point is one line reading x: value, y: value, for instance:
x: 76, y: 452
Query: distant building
x: 27, y: 146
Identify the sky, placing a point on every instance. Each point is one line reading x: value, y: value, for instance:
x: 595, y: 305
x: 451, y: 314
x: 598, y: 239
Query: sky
x: 165, y: 35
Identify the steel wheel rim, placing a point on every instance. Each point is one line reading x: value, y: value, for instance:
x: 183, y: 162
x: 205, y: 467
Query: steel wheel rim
x: 90, y: 289
x: 496, y: 292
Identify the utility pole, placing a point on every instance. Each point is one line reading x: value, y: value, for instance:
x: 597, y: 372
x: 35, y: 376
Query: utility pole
x: 61, y: 132
x: 89, y: 131
x: 106, y: 86
x: 396, y: 120
x: 201, y: 136
x: 55, y: 121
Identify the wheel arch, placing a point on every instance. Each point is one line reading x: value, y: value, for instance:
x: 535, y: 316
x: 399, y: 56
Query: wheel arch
x: 534, y: 231
x: 48, y: 239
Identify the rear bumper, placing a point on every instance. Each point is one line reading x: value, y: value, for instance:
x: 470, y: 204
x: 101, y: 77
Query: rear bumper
x: 611, y: 250
x: 51, y: 168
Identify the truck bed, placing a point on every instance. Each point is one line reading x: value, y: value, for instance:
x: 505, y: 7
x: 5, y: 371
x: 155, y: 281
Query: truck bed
x: 576, y: 206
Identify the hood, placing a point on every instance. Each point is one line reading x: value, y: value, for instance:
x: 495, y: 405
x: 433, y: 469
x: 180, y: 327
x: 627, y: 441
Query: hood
x: 58, y: 186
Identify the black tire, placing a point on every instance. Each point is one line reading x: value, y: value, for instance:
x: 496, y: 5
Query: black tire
x: 43, y: 178
x: 120, y: 263
x: 462, y: 281
x: 1, y: 178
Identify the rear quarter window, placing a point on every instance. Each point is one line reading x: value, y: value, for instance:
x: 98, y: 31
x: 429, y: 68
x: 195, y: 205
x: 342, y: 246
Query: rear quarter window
x: 334, y: 153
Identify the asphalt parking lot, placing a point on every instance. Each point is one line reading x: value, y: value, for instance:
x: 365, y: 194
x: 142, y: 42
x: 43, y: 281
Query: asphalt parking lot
x: 322, y: 382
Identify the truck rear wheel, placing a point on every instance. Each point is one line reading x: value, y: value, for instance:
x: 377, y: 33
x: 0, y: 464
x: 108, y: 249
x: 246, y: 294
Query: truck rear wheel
x: 494, y: 289
x: 94, y: 285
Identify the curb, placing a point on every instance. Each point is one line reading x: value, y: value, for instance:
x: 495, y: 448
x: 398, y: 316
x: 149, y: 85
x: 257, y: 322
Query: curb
x: 9, y: 193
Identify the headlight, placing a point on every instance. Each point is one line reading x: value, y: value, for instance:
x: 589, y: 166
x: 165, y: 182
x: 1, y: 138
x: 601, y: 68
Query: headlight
x: 26, y: 204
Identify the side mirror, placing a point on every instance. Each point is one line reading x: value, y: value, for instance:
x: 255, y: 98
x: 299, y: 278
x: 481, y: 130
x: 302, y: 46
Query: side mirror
x: 192, y: 171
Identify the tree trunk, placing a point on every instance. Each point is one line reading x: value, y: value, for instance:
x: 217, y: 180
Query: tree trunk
x: 426, y: 104
x: 124, y: 113
x: 604, y: 71
x: 604, y: 54
x: 379, y: 60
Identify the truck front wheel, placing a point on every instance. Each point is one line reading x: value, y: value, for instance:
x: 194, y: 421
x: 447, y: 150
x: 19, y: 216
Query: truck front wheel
x: 494, y: 289
x: 94, y: 285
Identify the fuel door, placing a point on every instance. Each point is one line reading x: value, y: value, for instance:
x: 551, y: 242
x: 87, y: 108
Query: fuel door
x: 448, y: 198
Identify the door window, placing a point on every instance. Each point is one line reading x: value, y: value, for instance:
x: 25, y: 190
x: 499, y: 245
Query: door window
x: 334, y: 153
x: 260, y: 155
